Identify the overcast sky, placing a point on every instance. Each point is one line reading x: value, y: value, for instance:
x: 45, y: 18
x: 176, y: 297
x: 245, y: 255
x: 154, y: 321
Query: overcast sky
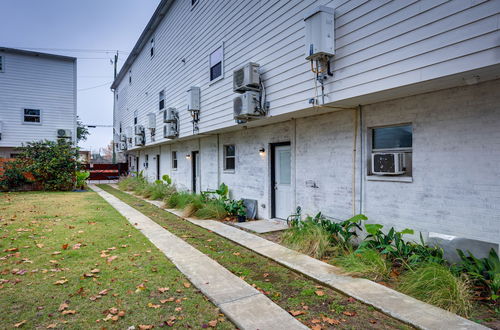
x: 58, y: 26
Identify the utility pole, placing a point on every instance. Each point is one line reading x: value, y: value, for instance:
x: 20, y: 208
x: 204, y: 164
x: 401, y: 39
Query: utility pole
x: 114, y: 104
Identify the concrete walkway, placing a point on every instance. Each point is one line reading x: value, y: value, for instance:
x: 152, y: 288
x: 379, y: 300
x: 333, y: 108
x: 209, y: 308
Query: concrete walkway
x: 245, y: 306
x: 389, y: 301
x: 263, y: 226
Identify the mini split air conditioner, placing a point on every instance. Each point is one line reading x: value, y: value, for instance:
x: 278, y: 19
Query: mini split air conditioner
x: 246, y: 78
x: 123, y: 146
x: 246, y: 106
x: 139, y: 130
x: 123, y: 138
x: 63, y: 133
x: 139, y: 140
x: 170, y: 115
x: 170, y: 130
x: 392, y: 163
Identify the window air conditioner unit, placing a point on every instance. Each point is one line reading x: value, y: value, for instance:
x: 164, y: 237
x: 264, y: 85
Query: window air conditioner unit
x: 123, y: 146
x: 123, y: 138
x: 169, y: 115
x: 139, y: 140
x: 246, y: 78
x: 170, y: 131
x: 138, y: 129
x: 64, y: 133
x: 246, y: 106
x: 151, y: 121
x: 388, y: 163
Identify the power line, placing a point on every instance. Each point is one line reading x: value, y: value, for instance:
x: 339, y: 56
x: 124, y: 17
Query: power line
x: 88, y: 88
x: 78, y: 50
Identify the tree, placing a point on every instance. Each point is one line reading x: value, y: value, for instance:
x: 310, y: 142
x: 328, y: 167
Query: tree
x: 81, y: 131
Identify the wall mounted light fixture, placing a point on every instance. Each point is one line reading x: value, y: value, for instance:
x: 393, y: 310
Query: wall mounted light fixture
x: 262, y: 152
x: 188, y: 156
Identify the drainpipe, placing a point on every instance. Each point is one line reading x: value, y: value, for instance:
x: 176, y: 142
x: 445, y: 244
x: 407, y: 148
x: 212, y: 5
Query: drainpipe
x: 218, y: 161
x: 361, y: 158
x: 354, y: 150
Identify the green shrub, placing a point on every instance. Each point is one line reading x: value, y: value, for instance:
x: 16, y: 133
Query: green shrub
x: 51, y: 164
x: 12, y: 177
x: 81, y: 176
x: 309, y: 238
x: 368, y: 263
x: 485, y: 272
x: 397, y: 249
x: 435, y: 284
x: 212, y: 210
x: 131, y: 182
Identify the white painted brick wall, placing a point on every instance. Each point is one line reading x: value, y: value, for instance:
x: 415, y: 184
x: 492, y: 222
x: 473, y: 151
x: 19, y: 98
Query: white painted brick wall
x: 456, y: 152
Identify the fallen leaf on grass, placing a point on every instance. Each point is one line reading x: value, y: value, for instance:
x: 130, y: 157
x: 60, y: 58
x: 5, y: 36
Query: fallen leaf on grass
x: 330, y: 321
x: 20, y: 324
x: 151, y: 305
x: 319, y: 293
x: 77, y: 246
x: 349, y: 313
x: 51, y: 326
x: 61, y: 282
x: 162, y: 290
x: 297, y: 313
x: 186, y: 284
x: 167, y: 300
x: 39, y: 245
x: 315, y: 321
x: 145, y: 327
x: 70, y: 311
x: 110, y: 259
x: 351, y: 300
x: 62, y: 307
x: 64, y: 246
x: 56, y: 253
x: 178, y: 309
x: 95, y: 271
x: 236, y: 253
x: 373, y: 321
x: 104, y: 292
x: 113, y: 310
x: 316, y: 327
x: 212, y: 323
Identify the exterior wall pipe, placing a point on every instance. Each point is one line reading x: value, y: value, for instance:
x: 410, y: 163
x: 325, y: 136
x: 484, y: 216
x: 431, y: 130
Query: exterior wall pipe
x: 361, y: 157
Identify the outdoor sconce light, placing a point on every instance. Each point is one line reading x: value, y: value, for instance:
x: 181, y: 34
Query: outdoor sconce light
x: 188, y: 156
x: 262, y: 152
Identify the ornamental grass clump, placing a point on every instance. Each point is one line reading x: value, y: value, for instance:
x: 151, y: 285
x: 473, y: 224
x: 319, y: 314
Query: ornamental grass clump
x: 435, y: 284
x: 309, y: 238
x: 212, y: 209
x: 368, y: 263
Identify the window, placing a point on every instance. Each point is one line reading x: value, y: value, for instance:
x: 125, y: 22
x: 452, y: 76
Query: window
x: 216, y: 64
x: 229, y: 157
x: 135, y: 117
x: 193, y: 2
x: 32, y: 116
x: 162, y: 100
x: 152, y: 46
x: 395, y: 137
x: 1, y: 64
x: 130, y: 77
x: 174, y: 160
x: 120, y: 127
x: 387, y: 140
x: 146, y: 161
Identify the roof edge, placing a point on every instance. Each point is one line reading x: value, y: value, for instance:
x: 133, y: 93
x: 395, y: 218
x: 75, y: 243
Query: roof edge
x: 150, y: 28
x: 33, y: 53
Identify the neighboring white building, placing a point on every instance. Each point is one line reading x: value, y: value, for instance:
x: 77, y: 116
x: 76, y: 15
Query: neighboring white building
x: 37, y: 98
x: 417, y: 79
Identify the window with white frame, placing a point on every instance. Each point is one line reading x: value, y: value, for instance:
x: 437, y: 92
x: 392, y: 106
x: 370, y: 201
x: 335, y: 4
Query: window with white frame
x: 174, y: 160
x: 216, y: 62
x: 2, y: 65
x: 161, y: 102
x: 152, y: 46
x: 229, y: 157
x: 32, y: 116
x: 391, y: 150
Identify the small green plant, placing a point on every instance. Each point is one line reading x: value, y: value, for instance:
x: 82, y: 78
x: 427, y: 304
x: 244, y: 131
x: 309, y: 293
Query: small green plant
x: 484, y: 272
x: 235, y: 207
x: 397, y: 249
x: 368, y: 263
x: 167, y: 179
x: 437, y: 285
x: 12, y: 177
x: 309, y: 238
x: 81, y: 177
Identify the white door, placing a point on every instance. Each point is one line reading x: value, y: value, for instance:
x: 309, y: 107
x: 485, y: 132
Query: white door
x: 283, y: 182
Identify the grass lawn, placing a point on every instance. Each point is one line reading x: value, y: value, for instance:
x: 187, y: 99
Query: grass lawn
x: 69, y: 260
x: 309, y: 302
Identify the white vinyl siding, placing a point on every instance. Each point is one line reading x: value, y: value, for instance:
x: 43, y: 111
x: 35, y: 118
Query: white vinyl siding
x: 39, y: 83
x: 380, y: 46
